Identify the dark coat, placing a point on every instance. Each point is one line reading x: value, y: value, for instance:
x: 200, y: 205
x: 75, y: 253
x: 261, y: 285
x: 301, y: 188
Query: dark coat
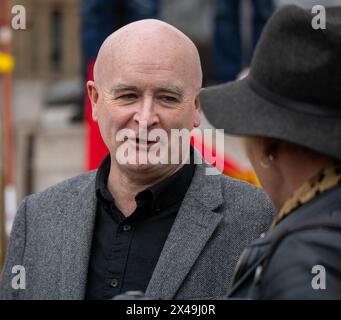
x: 281, y: 264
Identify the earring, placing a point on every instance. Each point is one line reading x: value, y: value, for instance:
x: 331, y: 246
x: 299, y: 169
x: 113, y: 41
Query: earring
x: 267, y: 161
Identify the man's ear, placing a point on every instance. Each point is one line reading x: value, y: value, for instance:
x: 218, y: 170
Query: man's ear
x: 197, y: 112
x: 93, y: 96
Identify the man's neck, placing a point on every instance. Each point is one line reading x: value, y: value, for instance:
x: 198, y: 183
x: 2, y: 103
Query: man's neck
x: 124, y: 185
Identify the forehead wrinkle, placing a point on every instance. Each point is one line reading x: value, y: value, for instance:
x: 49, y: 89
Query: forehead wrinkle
x: 152, y: 65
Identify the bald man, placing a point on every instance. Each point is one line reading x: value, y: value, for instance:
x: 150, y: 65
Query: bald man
x: 167, y: 229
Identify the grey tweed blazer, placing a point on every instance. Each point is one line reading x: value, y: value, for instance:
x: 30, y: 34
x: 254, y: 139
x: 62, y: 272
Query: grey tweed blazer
x: 52, y: 236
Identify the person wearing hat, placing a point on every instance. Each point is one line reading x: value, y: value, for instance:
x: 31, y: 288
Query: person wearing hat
x: 289, y: 110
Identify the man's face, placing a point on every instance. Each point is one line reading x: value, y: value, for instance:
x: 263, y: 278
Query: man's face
x: 137, y: 90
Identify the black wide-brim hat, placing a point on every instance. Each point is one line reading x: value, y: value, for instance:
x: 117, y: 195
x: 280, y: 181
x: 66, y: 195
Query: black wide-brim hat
x: 293, y: 90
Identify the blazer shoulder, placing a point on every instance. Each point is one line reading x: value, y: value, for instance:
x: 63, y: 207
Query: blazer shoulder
x: 244, y: 192
x: 69, y: 187
x: 249, y: 204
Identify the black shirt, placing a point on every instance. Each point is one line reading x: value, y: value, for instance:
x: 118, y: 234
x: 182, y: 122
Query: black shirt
x: 125, y: 250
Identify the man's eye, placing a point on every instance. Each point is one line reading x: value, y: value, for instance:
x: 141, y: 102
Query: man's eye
x: 129, y: 96
x: 169, y: 99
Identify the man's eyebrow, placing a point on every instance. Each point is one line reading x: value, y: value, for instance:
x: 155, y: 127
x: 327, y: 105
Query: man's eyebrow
x: 167, y: 88
x: 122, y: 87
x: 172, y: 89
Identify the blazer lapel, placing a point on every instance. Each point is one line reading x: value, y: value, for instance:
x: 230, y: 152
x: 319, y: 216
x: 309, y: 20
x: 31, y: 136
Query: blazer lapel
x: 78, y: 231
x: 194, y: 225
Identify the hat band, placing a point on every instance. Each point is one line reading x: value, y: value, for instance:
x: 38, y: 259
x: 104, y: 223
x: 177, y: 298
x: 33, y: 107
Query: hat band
x: 292, y: 105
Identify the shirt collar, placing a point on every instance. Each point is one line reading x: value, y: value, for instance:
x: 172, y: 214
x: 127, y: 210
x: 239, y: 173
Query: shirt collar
x: 164, y: 194
x: 102, y: 191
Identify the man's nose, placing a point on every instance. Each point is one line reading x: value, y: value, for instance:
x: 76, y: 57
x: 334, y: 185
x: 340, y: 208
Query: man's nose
x: 146, y: 112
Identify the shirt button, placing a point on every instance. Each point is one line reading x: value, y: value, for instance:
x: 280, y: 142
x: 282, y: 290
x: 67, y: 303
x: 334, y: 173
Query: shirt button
x: 114, y: 283
x: 262, y: 236
x: 126, y: 227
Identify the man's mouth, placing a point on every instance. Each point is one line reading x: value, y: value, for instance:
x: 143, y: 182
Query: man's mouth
x: 148, y: 143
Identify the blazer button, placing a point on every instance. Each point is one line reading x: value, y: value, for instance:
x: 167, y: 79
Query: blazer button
x: 126, y: 227
x: 114, y: 283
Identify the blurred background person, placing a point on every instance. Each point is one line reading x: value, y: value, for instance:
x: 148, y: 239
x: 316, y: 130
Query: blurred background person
x: 101, y: 17
x: 229, y: 45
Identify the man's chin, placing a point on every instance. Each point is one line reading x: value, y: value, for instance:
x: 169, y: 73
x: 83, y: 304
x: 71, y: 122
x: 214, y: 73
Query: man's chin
x: 144, y: 167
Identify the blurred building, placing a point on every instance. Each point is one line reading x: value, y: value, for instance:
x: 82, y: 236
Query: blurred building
x: 50, y: 47
x: 47, y: 148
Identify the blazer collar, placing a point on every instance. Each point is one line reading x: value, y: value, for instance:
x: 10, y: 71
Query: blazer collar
x: 193, y: 227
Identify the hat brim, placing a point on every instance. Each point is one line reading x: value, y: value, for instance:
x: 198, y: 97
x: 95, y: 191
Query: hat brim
x: 237, y: 109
